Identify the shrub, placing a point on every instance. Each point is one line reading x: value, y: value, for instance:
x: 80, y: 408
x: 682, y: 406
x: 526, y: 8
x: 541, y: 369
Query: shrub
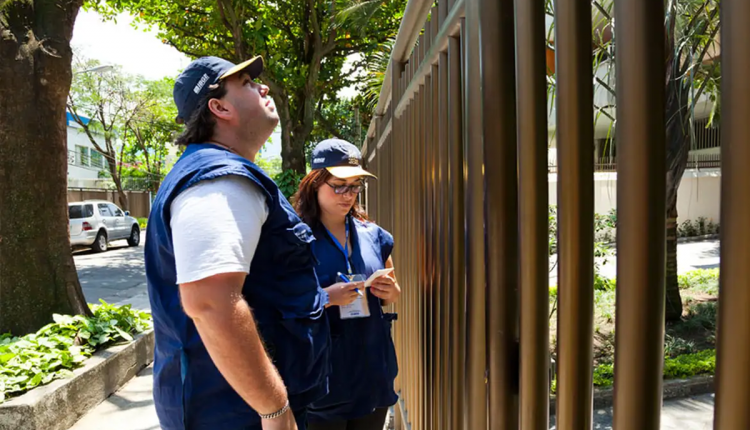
x: 142, y: 223
x: 58, y: 348
x: 702, y: 280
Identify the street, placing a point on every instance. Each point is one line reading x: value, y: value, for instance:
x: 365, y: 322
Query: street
x: 116, y: 276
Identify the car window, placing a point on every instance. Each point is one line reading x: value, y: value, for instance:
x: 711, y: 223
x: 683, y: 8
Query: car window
x: 104, y: 210
x: 115, y: 210
x: 80, y: 211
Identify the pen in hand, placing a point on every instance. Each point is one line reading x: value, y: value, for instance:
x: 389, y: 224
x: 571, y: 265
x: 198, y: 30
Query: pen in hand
x: 345, y: 279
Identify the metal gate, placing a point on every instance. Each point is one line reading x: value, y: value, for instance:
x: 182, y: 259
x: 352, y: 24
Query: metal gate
x: 459, y: 142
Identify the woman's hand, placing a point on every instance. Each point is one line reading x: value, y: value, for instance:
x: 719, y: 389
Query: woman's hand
x: 386, y: 289
x: 343, y: 293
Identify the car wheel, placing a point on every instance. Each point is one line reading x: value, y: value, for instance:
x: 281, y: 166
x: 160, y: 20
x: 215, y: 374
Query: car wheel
x: 135, y: 236
x: 100, y: 244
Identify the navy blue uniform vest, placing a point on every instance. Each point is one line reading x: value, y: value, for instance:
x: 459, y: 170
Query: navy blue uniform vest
x: 281, y: 288
x: 363, y: 357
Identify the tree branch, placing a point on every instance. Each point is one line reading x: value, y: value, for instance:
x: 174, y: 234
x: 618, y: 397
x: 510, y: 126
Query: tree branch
x: 328, y: 126
x: 317, y: 37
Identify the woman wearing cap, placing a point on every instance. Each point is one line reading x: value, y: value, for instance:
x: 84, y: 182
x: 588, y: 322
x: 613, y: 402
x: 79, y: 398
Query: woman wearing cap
x: 363, y: 357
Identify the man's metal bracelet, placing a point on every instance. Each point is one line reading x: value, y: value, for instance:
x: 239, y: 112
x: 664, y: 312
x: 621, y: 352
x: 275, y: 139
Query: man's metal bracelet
x: 276, y: 414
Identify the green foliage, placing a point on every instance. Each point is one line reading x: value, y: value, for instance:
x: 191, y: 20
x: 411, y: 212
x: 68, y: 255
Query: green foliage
x: 270, y: 165
x: 604, y: 304
x: 288, y: 182
x: 345, y: 119
x: 674, y: 346
x: 142, y: 223
x: 687, y: 365
x: 148, y: 137
x: 311, y: 49
x: 701, y: 316
x: 683, y: 366
x: 701, y: 280
x: 58, y: 348
x: 604, y: 375
x: 699, y: 227
x: 604, y: 284
x: 552, y: 232
x: 132, y: 122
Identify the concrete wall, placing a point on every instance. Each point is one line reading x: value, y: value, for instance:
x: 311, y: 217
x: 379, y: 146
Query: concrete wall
x: 698, y: 195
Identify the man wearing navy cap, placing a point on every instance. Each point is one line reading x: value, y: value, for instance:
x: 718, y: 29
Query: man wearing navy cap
x: 241, y: 334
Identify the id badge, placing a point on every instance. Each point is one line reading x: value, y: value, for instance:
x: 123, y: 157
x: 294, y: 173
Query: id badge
x: 358, y: 308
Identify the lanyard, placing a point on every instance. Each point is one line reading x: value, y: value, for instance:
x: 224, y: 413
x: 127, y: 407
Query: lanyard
x: 345, y: 248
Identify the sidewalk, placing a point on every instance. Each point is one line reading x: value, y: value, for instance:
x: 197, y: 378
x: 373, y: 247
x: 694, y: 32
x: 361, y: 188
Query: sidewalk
x: 132, y: 408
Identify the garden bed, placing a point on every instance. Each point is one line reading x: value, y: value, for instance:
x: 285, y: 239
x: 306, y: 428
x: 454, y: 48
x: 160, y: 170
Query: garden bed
x: 689, y: 347
x: 50, y: 378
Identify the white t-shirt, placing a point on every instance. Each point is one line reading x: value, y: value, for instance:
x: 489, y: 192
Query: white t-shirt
x: 216, y: 226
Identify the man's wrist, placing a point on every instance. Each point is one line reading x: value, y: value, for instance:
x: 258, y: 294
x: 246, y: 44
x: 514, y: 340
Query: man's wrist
x: 277, y: 413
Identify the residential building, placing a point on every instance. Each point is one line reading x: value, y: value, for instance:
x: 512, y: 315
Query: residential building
x: 86, y: 165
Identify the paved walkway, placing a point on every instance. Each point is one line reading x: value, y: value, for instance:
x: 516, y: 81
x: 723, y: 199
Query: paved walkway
x: 132, y: 408
x: 690, y: 256
x: 693, y: 413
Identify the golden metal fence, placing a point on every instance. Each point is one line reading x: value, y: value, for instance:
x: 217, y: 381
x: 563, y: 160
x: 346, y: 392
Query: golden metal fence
x: 459, y: 142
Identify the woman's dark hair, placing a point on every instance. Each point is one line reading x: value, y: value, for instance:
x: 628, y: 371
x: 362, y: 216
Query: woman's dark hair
x: 200, y: 127
x: 306, y: 198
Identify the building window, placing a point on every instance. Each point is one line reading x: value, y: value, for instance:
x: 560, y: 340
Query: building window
x: 82, y: 155
x: 97, y: 159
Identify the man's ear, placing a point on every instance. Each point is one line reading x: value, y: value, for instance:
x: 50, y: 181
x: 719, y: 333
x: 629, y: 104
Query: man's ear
x: 221, y: 109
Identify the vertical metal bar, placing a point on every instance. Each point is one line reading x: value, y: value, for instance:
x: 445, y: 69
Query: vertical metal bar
x: 443, y: 8
x: 641, y: 213
x: 414, y: 318
x: 575, y: 146
x: 427, y: 292
x: 443, y: 238
x: 457, y: 260
x: 733, y: 373
x: 533, y: 202
x: 437, y: 308
x: 474, y: 158
x: 433, y: 262
x: 501, y: 202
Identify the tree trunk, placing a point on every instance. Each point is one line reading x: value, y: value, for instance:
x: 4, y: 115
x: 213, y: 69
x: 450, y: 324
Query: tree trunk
x: 121, y: 196
x: 678, y: 146
x: 37, y: 272
x: 292, y: 145
x: 674, y: 300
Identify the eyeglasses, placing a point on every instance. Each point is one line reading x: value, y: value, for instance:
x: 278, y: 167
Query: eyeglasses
x: 343, y: 189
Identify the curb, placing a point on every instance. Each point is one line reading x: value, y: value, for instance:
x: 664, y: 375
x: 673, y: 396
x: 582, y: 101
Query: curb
x: 703, y: 238
x: 671, y: 389
x: 60, y: 404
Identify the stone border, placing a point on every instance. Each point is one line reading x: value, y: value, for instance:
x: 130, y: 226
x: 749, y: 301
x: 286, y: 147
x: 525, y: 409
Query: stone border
x: 61, y: 403
x: 672, y: 389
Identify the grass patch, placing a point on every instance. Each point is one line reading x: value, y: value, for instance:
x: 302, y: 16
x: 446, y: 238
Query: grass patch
x: 58, y: 348
x: 683, y: 366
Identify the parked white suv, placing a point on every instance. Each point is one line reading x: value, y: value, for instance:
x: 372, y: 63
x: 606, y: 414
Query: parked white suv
x: 95, y: 223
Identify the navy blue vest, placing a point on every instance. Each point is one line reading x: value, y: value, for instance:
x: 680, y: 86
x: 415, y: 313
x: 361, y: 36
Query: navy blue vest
x: 282, y: 289
x: 363, y: 357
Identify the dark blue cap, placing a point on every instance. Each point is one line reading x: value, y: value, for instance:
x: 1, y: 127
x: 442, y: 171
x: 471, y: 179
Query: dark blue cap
x: 339, y: 157
x: 196, y: 80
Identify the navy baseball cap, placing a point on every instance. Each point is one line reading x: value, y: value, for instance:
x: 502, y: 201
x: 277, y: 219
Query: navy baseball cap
x: 341, y: 158
x: 196, y: 80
